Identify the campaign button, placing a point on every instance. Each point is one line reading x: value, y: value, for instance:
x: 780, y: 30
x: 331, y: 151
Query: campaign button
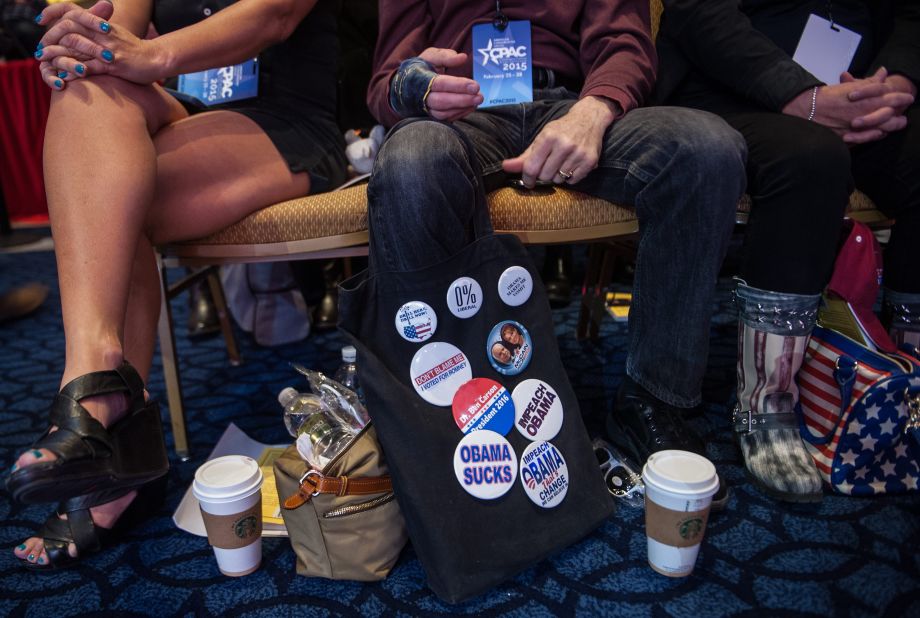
x: 416, y: 321
x: 437, y: 370
x: 537, y: 410
x: 544, y: 474
x: 515, y: 286
x: 482, y: 403
x: 485, y: 464
x: 509, y: 348
x: 464, y: 297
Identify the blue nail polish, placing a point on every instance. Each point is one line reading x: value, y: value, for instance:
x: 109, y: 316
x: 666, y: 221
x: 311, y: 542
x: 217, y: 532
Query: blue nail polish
x: 107, y: 55
x: 41, y: 560
x: 39, y: 46
x: 14, y: 468
x: 38, y: 18
x: 57, y: 84
x: 62, y: 74
x: 104, y: 26
x: 38, y: 53
x: 38, y: 454
x: 31, y: 557
x: 80, y: 69
x: 21, y: 547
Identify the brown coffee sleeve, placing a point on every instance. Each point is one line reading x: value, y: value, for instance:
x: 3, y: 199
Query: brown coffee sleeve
x: 674, y: 528
x: 234, y: 531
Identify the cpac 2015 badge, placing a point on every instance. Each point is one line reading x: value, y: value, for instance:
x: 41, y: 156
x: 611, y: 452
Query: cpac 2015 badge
x: 509, y: 348
x: 544, y: 474
x: 485, y: 464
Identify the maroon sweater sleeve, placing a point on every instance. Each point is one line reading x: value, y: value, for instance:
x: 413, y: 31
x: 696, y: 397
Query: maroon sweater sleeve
x: 404, y: 33
x: 616, y: 51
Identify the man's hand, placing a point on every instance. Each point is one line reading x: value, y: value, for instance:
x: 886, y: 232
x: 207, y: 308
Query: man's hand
x: 884, y: 120
x: 839, y: 106
x: 568, y: 148
x: 450, y: 98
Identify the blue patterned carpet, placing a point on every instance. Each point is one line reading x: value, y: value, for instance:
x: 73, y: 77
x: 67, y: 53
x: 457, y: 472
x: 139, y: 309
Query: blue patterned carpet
x: 845, y: 557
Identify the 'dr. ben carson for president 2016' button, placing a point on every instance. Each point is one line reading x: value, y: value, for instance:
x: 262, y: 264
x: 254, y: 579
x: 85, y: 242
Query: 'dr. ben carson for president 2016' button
x: 482, y: 403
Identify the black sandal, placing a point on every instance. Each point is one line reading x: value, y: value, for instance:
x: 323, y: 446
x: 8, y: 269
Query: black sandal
x: 57, y: 534
x: 129, y: 454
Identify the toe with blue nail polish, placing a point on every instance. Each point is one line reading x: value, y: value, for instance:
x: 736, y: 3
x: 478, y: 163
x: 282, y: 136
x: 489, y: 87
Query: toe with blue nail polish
x: 80, y: 69
x: 107, y: 55
x: 104, y: 26
x: 62, y: 74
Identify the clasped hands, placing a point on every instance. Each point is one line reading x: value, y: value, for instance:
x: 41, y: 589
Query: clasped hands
x: 80, y: 42
x: 859, y: 110
x: 564, y: 151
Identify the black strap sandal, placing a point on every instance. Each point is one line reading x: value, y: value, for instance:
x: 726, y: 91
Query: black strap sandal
x: 89, y: 457
x: 57, y: 534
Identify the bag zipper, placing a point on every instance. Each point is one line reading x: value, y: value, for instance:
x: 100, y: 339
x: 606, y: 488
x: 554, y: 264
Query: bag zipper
x: 353, y: 509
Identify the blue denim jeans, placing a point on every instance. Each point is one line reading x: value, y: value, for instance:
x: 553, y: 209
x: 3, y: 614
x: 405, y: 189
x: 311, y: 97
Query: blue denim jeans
x: 682, y: 170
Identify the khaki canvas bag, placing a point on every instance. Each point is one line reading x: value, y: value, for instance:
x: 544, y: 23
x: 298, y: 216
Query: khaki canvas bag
x: 343, y: 522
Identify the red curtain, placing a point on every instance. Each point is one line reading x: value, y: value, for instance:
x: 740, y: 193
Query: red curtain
x: 24, y: 100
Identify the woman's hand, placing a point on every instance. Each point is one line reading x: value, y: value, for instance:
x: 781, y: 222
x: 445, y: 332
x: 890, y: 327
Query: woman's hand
x: 81, y: 42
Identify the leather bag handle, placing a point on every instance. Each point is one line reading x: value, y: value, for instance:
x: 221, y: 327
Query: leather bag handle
x: 314, y: 483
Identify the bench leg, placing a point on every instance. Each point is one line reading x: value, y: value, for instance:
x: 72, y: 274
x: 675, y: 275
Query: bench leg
x: 171, y: 369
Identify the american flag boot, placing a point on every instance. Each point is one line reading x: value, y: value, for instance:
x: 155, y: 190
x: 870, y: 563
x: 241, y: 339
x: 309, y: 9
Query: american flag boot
x: 772, y: 337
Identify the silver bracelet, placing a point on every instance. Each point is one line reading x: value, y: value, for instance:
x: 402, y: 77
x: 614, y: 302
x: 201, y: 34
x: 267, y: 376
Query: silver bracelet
x: 814, y: 103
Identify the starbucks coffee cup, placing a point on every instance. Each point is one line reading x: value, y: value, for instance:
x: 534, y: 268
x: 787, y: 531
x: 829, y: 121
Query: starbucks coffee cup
x: 229, y: 492
x: 679, y: 486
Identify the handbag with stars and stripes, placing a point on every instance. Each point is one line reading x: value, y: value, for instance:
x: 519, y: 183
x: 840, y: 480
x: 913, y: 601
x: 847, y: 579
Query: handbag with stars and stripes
x: 861, y: 414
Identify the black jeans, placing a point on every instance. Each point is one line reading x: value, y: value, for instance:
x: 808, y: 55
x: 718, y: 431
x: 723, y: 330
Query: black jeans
x: 800, y: 175
x: 681, y: 169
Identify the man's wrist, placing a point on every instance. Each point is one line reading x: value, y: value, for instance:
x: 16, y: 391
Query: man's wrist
x: 606, y: 110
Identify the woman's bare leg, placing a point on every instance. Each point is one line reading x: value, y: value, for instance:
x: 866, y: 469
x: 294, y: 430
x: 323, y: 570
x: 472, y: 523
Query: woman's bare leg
x: 195, y: 176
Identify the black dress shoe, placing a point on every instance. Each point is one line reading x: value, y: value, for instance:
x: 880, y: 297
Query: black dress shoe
x: 557, y: 275
x: 202, y: 312
x: 641, y: 424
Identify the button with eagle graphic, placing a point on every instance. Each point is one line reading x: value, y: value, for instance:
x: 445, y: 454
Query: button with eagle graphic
x: 416, y: 321
x: 485, y: 464
x: 482, y: 403
x: 515, y: 286
x: 544, y: 474
x: 437, y: 370
x: 537, y: 410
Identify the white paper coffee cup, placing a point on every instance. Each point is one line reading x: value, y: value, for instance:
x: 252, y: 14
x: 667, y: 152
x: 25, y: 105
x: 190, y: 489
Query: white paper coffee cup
x: 679, y: 486
x: 229, y: 491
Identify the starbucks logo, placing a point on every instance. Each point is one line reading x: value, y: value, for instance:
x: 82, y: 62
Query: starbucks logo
x: 245, y: 527
x: 691, y: 528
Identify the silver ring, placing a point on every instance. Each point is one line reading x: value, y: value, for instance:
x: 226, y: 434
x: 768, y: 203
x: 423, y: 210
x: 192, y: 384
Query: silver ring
x: 565, y: 174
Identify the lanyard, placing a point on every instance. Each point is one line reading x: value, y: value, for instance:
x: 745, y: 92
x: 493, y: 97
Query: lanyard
x: 830, y: 16
x: 500, y: 21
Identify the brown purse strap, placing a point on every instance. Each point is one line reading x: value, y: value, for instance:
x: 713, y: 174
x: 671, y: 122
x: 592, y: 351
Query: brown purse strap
x: 314, y: 483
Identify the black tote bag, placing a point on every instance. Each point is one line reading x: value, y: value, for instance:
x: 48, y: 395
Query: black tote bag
x: 466, y: 544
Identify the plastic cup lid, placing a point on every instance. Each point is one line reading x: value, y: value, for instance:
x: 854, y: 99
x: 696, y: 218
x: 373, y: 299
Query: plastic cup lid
x: 227, y: 478
x: 681, y: 472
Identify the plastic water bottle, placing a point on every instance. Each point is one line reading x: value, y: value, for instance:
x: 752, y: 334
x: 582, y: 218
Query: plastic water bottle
x: 347, y: 373
x: 320, y: 435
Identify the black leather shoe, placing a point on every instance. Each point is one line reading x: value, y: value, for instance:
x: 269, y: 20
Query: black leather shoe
x: 641, y: 424
x: 557, y: 275
x: 202, y: 313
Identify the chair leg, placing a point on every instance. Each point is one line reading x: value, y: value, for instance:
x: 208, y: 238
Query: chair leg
x: 589, y: 290
x: 171, y: 369
x: 220, y: 303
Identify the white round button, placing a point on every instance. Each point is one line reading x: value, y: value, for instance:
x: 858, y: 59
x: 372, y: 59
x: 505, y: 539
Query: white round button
x: 416, y: 321
x: 544, y: 474
x: 485, y: 464
x: 464, y: 297
x: 437, y: 370
x: 515, y: 286
x: 537, y: 410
